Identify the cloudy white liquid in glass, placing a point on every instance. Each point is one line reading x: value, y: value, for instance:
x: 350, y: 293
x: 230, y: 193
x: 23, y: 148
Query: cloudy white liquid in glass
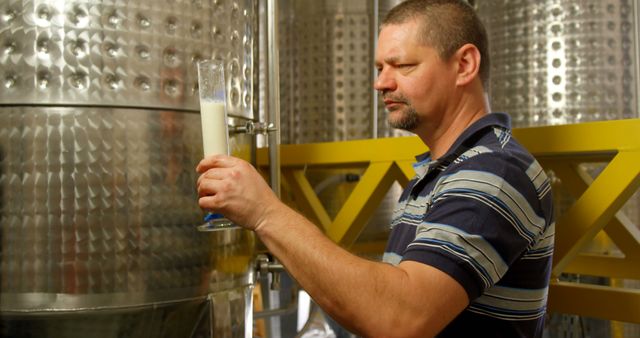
x: 214, y: 128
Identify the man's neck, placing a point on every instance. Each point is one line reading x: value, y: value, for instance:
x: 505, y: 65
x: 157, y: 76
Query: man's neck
x: 439, y: 137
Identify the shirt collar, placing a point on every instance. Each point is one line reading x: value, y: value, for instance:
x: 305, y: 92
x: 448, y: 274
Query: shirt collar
x: 424, y: 161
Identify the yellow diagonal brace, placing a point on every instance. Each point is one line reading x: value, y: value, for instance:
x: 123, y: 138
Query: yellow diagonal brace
x: 596, y: 207
x: 407, y: 169
x: 595, y: 301
x: 621, y: 230
x: 306, y: 198
x: 626, y: 236
x: 364, y: 199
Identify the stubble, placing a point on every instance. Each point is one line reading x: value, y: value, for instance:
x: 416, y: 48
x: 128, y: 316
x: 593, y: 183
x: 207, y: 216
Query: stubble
x: 408, y: 119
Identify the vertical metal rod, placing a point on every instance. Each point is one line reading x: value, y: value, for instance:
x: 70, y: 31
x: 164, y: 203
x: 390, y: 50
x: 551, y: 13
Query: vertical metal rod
x: 273, y: 81
x: 256, y: 50
x: 273, y: 116
x: 636, y: 41
x: 374, y: 75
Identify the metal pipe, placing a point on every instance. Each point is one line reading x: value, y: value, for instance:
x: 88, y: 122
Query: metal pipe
x: 636, y: 41
x: 273, y: 116
x: 290, y: 308
x: 273, y: 80
x: 374, y: 71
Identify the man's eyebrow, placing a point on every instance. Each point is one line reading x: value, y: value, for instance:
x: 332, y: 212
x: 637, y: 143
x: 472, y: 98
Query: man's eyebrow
x: 389, y: 59
x: 392, y: 59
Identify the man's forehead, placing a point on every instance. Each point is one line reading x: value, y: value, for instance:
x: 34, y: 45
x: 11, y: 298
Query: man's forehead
x: 398, y: 41
x: 407, y: 28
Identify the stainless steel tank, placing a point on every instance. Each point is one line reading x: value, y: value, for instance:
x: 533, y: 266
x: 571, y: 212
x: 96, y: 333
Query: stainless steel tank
x: 326, y: 90
x: 561, y: 61
x: 99, y: 138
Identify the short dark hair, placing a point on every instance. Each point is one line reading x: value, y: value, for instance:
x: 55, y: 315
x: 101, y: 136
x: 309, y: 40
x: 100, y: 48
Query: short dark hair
x: 447, y: 25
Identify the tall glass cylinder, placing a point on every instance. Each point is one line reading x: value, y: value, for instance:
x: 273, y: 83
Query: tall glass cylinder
x: 215, y: 133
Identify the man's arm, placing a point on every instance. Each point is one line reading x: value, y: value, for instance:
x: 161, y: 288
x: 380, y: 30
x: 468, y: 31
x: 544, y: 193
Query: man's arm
x: 371, y: 299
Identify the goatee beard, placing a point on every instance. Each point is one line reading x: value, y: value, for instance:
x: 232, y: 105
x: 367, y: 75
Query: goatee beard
x: 407, y: 121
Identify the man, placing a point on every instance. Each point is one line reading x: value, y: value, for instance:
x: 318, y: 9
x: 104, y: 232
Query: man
x: 470, y: 250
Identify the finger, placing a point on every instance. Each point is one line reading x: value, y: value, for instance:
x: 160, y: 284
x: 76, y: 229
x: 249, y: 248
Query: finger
x: 213, y: 174
x: 215, y: 161
x: 209, y: 187
x: 209, y: 203
x: 207, y: 163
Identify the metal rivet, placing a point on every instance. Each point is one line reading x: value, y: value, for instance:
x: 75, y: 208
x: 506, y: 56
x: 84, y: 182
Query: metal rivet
x: 43, y: 79
x: 235, y: 38
x: 42, y: 45
x: 112, y: 81
x: 44, y: 13
x: 79, y: 48
x: 9, y: 15
x: 143, y: 21
x: 142, y: 83
x: 79, y: 80
x: 171, y: 25
x: 10, y: 81
x: 143, y: 52
x: 170, y: 57
x: 171, y: 88
x: 196, y: 29
x: 216, y: 32
x: 111, y: 49
x: 79, y: 17
x: 114, y: 19
x: 10, y: 47
x: 196, y: 57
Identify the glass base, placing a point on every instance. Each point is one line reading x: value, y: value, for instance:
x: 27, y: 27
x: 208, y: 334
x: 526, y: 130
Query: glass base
x: 216, y: 222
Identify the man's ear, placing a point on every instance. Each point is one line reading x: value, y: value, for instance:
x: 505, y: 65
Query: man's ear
x: 468, y: 59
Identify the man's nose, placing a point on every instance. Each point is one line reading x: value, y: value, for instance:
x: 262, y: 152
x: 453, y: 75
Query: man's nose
x: 384, y: 81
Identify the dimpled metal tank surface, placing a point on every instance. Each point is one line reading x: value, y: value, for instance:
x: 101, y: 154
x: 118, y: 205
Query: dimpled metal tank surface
x: 99, y: 139
x: 562, y: 61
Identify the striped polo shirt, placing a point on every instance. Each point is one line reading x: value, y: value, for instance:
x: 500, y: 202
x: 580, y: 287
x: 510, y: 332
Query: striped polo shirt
x: 483, y: 214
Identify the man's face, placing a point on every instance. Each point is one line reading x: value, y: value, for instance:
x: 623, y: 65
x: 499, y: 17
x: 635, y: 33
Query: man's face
x: 413, y: 80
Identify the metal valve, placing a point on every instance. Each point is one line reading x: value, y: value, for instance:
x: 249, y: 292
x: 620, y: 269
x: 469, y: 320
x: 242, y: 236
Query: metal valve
x: 265, y: 266
x: 253, y: 128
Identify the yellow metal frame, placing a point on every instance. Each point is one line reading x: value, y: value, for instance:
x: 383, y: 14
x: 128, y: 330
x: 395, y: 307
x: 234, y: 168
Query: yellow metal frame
x: 560, y: 149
